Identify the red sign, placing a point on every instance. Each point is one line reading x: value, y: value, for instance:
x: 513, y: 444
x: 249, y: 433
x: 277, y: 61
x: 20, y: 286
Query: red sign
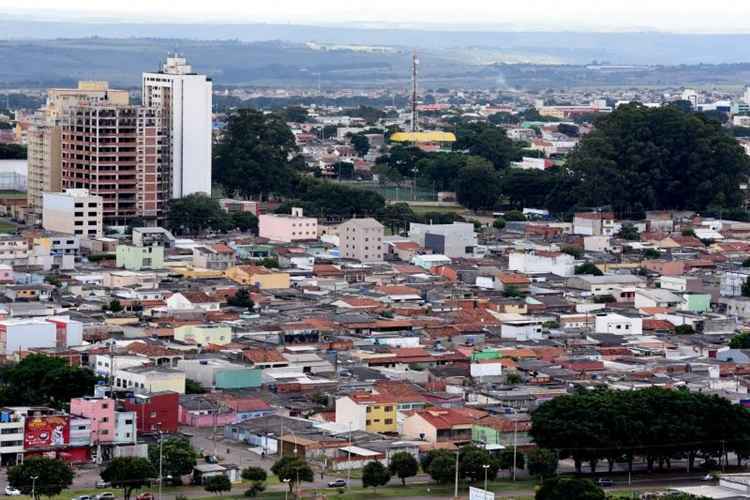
x: 47, y: 432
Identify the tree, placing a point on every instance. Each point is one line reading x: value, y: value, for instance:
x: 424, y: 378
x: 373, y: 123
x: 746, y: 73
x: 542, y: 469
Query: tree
x: 651, y: 253
x: 241, y: 299
x: 505, y: 460
x: 244, y: 221
x: 252, y: 157
x: 254, y: 474
x: 178, y: 457
x: 344, y: 170
x: 745, y: 291
x: 638, y: 158
x: 194, y: 387
x: 12, y: 152
x: 514, y: 215
x: 44, y: 380
x: 684, y: 330
x: 486, y: 141
x: 472, y: 462
x: 217, y: 484
x: 568, y: 129
x: 740, y: 341
x: 588, y: 268
x: 542, y: 463
x: 115, y: 306
x: 52, y: 476
x: 629, y: 232
x: 295, y: 114
x: 403, y: 465
x: 375, y: 474
x: 194, y: 214
x: 361, y: 144
x: 502, y: 118
x: 574, y: 252
x: 499, y: 223
x: 569, y: 488
x: 442, y: 468
x: 292, y: 469
x: 478, y: 186
x: 426, y: 459
x: 129, y: 473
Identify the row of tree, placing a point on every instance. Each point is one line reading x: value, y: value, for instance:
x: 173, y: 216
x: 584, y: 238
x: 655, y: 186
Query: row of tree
x: 658, y: 425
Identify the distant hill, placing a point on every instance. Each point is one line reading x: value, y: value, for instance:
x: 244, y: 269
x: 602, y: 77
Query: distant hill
x: 562, y: 47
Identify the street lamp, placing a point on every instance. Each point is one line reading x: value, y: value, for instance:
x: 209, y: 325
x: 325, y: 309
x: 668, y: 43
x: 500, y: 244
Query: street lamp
x: 486, y: 467
x: 161, y: 455
x: 33, y: 486
x: 286, y: 489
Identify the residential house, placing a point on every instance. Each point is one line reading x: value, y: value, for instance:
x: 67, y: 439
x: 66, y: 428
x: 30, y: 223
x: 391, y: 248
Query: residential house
x: 367, y: 412
x: 218, y: 257
x: 439, y: 425
x: 259, y: 276
x: 362, y: 240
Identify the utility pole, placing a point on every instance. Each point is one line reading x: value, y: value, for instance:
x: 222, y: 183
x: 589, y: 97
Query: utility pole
x: 33, y: 486
x: 349, y: 457
x: 455, y: 488
x: 161, y: 459
x: 515, y: 447
x: 486, y: 467
x: 414, y: 63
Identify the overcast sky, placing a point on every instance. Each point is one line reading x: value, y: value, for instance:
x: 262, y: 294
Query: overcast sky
x: 663, y: 15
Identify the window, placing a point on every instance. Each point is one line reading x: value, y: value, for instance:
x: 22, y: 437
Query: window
x: 389, y: 408
x: 369, y: 409
x: 104, y: 420
x: 13, y: 430
x: 368, y: 422
x: 388, y: 421
x: 104, y: 432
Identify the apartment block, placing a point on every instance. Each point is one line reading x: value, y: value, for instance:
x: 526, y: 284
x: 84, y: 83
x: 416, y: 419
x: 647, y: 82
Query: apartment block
x: 287, y: 228
x: 75, y: 211
x: 362, y: 239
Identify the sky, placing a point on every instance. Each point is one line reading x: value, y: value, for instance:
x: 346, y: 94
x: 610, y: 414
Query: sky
x: 602, y: 15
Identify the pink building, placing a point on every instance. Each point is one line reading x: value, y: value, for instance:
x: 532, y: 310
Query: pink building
x: 101, y: 412
x: 6, y: 274
x: 288, y: 228
x: 665, y: 267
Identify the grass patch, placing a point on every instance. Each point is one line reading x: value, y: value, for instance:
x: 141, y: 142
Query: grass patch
x: 424, y: 209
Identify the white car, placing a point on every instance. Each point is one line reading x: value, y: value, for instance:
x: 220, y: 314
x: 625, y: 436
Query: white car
x: 10, y: 491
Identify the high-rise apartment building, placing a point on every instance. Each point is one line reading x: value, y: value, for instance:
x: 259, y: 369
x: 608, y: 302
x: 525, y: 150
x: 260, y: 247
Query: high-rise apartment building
x: 114, y: 151
x: 45, y: 135
x: 184, y: 97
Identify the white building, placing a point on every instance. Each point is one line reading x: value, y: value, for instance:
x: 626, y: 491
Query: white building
x: 618, y: 324
x: 362, y: 239
x: 453, y: 240
x: 14, y: 250
x: 55, y: 332
x: 540, y: 262
x: 74, y: 211
x: 287, y: 228
x: 187, y: 98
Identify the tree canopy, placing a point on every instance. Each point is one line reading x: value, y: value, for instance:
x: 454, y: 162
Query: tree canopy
x: 375, y: 474
x: 569, y: 488
x: 656, y: 424
x: 292, y: 468
x: 178, y: 457
x: 640, y: 158
x: 217, y: 484
x: 129, y: 473
x: 403, y: 465
x: 252, y: 158
x: 487, y: 141
x: 197, y: 212
x: 44, y: 380
x: 478, y: 185
x: 52, y: 476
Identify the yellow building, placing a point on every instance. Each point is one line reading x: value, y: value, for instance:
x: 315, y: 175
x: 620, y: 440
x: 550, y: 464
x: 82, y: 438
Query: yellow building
x: 203, y: 334
x: 367, y: 412
x: 258, y: 276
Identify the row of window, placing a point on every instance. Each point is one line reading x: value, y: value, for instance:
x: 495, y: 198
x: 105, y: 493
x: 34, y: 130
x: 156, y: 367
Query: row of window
x: 387, y: 408
x: 387, y: 421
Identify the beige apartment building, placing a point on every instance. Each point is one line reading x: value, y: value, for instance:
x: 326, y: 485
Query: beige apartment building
x: 362, y: 239
x: 45, y: 137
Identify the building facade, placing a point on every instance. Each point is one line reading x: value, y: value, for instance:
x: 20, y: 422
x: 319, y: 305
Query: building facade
x: 74, y: 211
x: 362, y: 239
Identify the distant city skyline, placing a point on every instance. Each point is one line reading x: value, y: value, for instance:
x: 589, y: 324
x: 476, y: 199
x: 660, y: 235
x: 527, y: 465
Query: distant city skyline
x: 719, y: 16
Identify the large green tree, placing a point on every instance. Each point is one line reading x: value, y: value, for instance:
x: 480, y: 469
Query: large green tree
x: 542, y: 463
x: 129, y: 473
x: 472, y: 462
x: 569, y: 488
x: 42, y: 475
x: 403, y: 465
x: 361, y: 144
x: 195, y: 213
x: 217, y: 484
x: 252, y: 157
x: 178, y: 457
x: 375, y: 474
x: 293, y: 469
x: 487, y: 141
x: 478, y: 185
x: 643, y: 158
x: 442, y: 468
x: 44, y: 380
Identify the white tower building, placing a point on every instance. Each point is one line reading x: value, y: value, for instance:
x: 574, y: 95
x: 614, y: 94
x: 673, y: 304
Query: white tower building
x: 185, y: 100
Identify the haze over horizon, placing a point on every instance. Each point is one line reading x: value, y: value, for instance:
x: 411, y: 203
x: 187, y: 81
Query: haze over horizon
x: 720, y: 16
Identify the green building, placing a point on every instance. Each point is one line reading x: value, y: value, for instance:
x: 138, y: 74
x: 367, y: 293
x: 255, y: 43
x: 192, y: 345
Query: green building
x: 696, y: 302
x: 135, y: 258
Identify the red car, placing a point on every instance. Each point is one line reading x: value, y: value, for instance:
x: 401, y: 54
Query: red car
x: 145, y: 496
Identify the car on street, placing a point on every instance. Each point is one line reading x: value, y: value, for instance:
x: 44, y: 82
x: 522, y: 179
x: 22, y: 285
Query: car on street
x: 10, y: 491
x: 103, y: 484
x: 145, y: 496
x: 83, y: 497
x: 105, y: 496
x: 338, y: 483
x: 604, y: 482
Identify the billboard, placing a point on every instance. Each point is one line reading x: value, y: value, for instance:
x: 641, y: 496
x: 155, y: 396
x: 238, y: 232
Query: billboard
x: 480, y: 494
x: 46, y: 431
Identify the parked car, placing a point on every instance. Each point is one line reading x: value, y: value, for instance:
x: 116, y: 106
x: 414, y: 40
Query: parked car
x: 604, y: 482
x: 83, y: 497
x: 338, y: 483
x: 145, y: 496
x: 105, y: 496
x: 212, y: 459
x: 10, y: 491
x: 103, y: 484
